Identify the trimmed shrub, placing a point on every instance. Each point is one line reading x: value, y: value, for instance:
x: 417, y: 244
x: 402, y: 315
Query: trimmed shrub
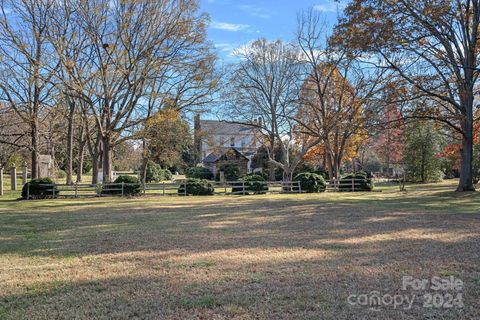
x: 303, y: 167
x: 131, y: 187
x: 362, y: 182
x: 311, y: 182
x: 198, y: 173
x: 37, y: 189
x: 264, y: 175
x: 231, y: 171
x: 196, y: 187
x: 254, y: 183
x: 322, y: 173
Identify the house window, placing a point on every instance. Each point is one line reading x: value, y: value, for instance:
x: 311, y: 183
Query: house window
x: 232, y: 142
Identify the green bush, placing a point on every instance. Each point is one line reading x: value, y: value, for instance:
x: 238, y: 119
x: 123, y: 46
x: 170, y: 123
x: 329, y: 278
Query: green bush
x: 61, y: 174
x: 155, y: 173
x: 363, y: 182
x: 322, y: 173
x: 86, y: 166
x: 304, y: 167
x: 167, y: 174
x: 196, y: 187
x: 37, y: 189
x: 131, y: 186
x: 254, y: 183
x: 264, y: 175
x: 311, y: 182
x: 198, y: 173
x: 231, y: 171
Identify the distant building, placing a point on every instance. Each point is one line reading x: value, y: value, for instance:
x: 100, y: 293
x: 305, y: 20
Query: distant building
x: 219, y: 142
x: 229, y: 156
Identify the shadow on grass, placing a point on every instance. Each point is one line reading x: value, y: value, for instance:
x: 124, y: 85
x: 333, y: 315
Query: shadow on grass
x: 265, y: 257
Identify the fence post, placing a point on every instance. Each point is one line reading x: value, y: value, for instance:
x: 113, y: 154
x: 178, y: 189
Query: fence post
x: 76, y: 189
x: 53, y: 191
x: 122, y: 188
x: 185, y: 189
x: 243, y: 187
x: 299, y: 187
x: 353, y: 183
x: 28, y: 191
x: 1, y: 181
x: 163, y: 188
x: 13, y: 178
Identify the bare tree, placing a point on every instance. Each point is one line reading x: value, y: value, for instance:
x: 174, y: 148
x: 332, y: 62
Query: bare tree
x: 263, y: 93
x: 13, y: 134
x: 129, y: 43
x: 27, y: 64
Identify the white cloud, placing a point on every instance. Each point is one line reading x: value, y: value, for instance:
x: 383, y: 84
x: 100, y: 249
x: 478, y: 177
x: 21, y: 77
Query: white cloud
x: 257, y: 12
x: 242, y: 50
x: 229, y: 26
x: 233, y: 50
x: 329, y: 6
x: 225, y: 47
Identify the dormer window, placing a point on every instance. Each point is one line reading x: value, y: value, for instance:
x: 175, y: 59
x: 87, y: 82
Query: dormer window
x: 232, y: 142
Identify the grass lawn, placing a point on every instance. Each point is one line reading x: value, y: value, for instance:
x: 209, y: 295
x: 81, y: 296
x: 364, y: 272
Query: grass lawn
x: 234, y: 257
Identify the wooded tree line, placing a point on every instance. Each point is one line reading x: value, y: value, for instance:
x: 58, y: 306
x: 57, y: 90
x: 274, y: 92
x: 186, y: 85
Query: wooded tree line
x: 92, y: 72
x: 426, y: 53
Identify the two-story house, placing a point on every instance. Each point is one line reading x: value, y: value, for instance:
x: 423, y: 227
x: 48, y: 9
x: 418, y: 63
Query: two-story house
x: 219, y: 142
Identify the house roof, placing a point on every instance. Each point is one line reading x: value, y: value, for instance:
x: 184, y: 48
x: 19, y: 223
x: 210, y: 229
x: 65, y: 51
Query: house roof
x: 224, y: 128
x: 211, y: 158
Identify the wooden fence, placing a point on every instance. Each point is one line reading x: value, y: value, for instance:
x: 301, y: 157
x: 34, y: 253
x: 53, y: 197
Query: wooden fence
x: 177, y: 188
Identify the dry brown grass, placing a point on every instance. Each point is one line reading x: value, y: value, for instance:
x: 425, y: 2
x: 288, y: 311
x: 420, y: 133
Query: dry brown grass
x: 256, y: 257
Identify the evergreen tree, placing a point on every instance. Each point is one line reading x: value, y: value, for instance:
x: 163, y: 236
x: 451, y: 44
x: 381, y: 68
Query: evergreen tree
x: 423, y: 142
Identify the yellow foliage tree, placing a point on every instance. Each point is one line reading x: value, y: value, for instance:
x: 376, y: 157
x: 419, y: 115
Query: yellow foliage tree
x: 331, y: 109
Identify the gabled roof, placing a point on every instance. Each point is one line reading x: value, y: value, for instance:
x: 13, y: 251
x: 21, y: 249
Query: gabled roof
x: 224, y: 128
x: 211, y: 158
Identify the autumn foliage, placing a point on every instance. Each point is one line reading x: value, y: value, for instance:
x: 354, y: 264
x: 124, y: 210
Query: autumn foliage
x: 390, y: 144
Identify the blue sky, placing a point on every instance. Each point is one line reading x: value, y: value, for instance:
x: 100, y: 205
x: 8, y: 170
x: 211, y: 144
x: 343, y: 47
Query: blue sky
x: 237, y: 22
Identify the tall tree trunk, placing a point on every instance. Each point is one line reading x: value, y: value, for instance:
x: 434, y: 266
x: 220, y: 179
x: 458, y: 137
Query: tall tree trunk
x: 466, y: 169
x: 95, y: 157
x: 107, y: 159
x: 81, y: 157
x: 34, y: 137
x: 331, y: 175
x: 143, y: 166
x: 69, y: 164
x: 95, y: 153
x: 271, y: 165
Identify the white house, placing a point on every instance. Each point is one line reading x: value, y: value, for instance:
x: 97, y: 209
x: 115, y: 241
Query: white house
x: 213, y: 138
